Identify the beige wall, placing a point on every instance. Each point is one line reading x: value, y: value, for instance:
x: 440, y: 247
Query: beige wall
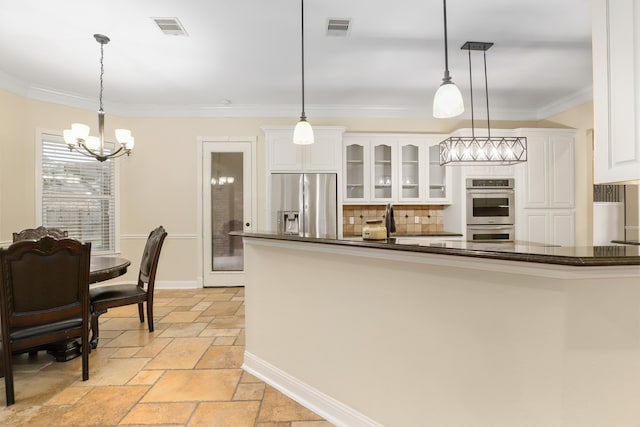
x: 159, y: 181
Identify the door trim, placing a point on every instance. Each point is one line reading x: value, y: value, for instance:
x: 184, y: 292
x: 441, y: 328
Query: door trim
x: 200, y: 141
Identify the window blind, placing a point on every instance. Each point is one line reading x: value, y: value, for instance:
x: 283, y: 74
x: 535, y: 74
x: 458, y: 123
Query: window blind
x: 78, y: 194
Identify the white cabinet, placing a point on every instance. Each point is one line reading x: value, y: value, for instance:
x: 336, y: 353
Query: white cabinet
x: 550, y: 226
x: 616, y: 90
x: 382, y: 168
x: 549, y: 170
x: 325, y: 155
x: 545, y: 188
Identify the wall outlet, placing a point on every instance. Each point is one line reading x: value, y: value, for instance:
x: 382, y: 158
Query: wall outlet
x: 417, y: 220
x: 351, y: 220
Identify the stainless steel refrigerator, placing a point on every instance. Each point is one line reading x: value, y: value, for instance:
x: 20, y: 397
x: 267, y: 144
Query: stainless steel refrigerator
x: 304, y: 203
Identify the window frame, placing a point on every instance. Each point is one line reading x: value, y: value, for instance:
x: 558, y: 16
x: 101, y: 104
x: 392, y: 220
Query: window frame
x: 56, y: 137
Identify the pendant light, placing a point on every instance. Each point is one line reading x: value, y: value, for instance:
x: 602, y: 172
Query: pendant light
x: 448, y: 100
x: 78, y: 138
x: 496, y: 150
x: 303, y: 133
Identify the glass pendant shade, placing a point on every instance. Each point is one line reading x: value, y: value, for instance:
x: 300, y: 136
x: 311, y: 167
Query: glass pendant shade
x: 303, y: 133
x: 447, y: 101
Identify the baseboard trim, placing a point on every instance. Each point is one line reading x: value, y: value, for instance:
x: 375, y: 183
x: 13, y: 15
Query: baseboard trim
x: 327, y: 407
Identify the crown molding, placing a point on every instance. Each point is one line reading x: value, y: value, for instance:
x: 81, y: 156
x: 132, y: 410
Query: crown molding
x: 277, y: 110
x: 578, y: 98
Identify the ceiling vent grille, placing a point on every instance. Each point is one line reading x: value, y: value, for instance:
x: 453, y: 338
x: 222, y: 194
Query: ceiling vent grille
x: 338, y: 27
x: 170, y: 26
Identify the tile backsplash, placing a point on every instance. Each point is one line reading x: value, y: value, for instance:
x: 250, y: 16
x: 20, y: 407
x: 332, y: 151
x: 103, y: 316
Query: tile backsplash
x: 429, y: 218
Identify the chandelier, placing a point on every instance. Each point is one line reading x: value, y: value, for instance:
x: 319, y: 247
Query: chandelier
x: 78, y: 138
x: 496, y: 150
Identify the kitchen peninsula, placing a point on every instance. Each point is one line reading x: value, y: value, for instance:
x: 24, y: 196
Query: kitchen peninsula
x: 412, y: 333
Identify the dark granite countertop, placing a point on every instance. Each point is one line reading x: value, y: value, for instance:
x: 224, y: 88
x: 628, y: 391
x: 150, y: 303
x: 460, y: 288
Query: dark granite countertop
x: 627, y: 242
x: 578, y: 256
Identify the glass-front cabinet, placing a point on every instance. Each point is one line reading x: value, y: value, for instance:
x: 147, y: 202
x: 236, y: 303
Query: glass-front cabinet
x: 383, y: 171
x: 396, y: 168
x: 355, y: 176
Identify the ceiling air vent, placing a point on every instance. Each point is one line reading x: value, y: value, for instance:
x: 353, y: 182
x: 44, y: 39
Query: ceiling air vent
x: 338, y: 27
x: 170, y: 26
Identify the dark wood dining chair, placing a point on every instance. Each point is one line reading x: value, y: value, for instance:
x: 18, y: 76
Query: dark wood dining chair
x: 39, y: 232
x: 109, y: 296
x: 44, y: 298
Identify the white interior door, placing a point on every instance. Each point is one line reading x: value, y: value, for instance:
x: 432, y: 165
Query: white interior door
x: 227, y: 205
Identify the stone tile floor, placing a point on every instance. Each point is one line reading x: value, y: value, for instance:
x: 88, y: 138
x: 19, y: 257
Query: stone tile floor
x: 186, y: 373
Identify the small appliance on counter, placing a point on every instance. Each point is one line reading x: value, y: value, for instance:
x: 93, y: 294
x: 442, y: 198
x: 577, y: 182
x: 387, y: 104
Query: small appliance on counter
x: 374, y: 229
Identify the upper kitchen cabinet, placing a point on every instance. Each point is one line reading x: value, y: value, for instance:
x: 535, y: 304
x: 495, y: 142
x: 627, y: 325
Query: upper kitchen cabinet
x: 547, y: 179
x: 616, y: 90
x: 402, y: 168
x: 322, y: 156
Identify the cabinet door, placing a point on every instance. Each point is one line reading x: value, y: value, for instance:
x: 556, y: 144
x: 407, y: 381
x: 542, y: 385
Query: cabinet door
x: 561, y: 227
x: 439, y: 178
x: 283, y: 154
x: 411, y: 182
x: 561, y: 172
x: 536, y: 226
x: 356, y: 170
x: 383, y: 171
x: 616, y: 90
x: 537, y: 173
x: 324, y: 154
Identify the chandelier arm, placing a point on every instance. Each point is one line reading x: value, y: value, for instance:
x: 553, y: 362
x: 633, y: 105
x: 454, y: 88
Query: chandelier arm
x: 121, y: 151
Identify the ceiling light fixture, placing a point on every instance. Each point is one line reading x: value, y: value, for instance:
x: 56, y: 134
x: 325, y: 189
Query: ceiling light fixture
x: 78, y: 139
x: 497, y: 150
x: 303, y: 133
x: 447, y: 101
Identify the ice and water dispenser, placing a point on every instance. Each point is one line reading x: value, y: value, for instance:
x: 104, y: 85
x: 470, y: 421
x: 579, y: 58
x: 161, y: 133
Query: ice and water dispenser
x: 289, y: 222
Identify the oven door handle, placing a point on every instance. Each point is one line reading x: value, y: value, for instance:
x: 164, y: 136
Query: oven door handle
x: 490, y: 227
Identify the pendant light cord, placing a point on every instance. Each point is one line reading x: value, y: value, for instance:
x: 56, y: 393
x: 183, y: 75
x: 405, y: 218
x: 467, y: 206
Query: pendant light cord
x: 473, y: 131
x: 446, y: 46
x: 486, y: 89
x: 303, y: 116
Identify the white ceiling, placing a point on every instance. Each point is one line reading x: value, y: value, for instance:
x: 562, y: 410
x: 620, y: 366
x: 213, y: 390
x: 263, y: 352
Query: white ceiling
x: 248, y: 52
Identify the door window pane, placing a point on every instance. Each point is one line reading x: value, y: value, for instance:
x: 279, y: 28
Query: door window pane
x: 227, y: 206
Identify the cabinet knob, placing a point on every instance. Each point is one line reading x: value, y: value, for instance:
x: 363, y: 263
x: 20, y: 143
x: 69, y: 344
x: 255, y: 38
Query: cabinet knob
x: 247, y: 224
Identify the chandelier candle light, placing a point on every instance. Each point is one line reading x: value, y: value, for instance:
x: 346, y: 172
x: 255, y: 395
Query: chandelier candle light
x: 496, y: 150
x: 78, y: 138
x: 303, y: 133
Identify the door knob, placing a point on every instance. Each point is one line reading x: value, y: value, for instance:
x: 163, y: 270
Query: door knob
x: 247, y: 224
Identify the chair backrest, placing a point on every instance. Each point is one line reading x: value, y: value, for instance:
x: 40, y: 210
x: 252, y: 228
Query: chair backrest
x: 150, y: 257
x: 39, y: 233
x: 43, y: 281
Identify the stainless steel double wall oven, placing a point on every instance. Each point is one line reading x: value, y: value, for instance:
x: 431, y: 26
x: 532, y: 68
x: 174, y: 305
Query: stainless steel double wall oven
x: 490, y: 209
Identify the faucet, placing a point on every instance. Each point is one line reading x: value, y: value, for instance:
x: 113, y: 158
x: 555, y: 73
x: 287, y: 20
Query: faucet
x: 389, y: 221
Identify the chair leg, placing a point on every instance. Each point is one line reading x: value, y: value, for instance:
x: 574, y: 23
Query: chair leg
x: 86, y: 349
x: 150, y: 315
x: 8, y: 375
x: 95, y: 331
x: 141, y: 312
